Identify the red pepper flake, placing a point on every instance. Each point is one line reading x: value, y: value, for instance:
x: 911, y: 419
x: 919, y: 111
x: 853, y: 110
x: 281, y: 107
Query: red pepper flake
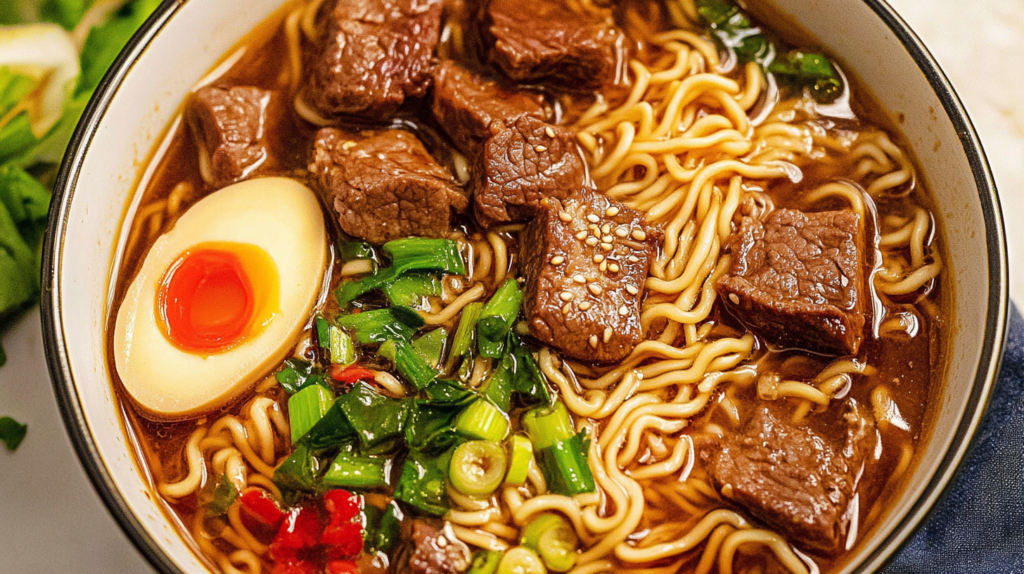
x: 342, y: 504
x: 349, y: 375
x: 261, y: 507
x: 343, y: 539
x: 342, y: 567
x: 300, y: 531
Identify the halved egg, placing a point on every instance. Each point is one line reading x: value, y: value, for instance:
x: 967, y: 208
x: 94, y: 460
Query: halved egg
x: 221, y: 298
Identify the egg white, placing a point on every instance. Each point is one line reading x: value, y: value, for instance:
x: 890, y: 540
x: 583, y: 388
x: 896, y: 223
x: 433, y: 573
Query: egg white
x: 279, y: 215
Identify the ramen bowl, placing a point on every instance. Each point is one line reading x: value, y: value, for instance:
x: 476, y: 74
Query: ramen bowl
x: 184, y: 40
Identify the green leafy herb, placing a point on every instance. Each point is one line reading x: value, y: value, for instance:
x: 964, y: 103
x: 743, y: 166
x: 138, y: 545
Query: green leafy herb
x: 382, y: 324
x: 423, y: 483
x: 12, y: 433
x: 735, y: 30
x: 379, y: 421
x: 219, y: 495
x: 298, y: 374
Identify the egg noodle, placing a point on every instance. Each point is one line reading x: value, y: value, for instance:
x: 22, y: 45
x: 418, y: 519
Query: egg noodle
x: 695, y: 144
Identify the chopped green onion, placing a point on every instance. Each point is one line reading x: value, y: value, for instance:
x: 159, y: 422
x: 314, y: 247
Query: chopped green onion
x: 462, y: 344
x: 382, y: 324
x: 330, y: 431
x: 430, y: 346
x: 566, y: 467
x: 410, y: 290
x: 519, y: 464
x: 422, y: 254
x: 307, y: 407
x: 350, y: 249
x: 548, y: 425
x: 551, y: 536
x: 413, y: 254
x: 389, y: 532
x: 521, y: 560
x: 362, y: 472
x: 527, y: 379
x: 422, y: 484
x: 334, y: 344
x: 561, y: 454
x: 408, y: 362
x: 482, y: 420
x: 501, y: 311
x: 298, y: 374
x: 371, y: 517
x: 498, y: 388
x: 477, y: 467
x: 485, y: 562
x: 490, y: 348
x: 299, y: 472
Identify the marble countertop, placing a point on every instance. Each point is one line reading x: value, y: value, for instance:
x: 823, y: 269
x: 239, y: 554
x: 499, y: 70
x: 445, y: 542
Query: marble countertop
x: 51, y: 520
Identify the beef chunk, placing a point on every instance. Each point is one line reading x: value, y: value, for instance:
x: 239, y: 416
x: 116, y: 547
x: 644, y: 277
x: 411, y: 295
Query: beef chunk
x: 431, y: 550
x: 384, y: 184
x: 229, y: 127
x: 375, y: 54
x: 522, y: 165
x: 797, y: 280
x: 546, y: 39
x: 791, y: 478
x: 585, y: 260
x: 472, y: 109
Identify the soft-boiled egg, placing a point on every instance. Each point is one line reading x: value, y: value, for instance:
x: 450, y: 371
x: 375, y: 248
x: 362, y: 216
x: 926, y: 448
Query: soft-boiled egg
x: 221, y: 298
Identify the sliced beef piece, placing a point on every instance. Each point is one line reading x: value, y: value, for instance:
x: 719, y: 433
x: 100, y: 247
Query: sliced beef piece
x: 797, y: 280
x: 433, y: 550
x: 520, y: 166
x: 384, y: 184
x: 794, y: 480
x: 228, y: 124
x: 374, y: 54
x: 585, y: 260
x: 472, y: 109
x: 539, y: 40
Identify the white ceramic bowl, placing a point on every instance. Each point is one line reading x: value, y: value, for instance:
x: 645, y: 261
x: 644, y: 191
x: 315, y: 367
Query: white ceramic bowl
x: 184, y: 39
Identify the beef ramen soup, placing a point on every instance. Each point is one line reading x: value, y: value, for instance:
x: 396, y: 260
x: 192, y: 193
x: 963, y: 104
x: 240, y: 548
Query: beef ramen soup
x: 528, y: 286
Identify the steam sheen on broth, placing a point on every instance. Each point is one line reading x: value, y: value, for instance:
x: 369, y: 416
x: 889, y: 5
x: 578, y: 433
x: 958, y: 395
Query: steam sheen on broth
x: 715, y: 156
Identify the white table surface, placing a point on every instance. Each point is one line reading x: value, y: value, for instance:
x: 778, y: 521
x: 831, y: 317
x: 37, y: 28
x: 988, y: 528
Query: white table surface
x: 52, y: 521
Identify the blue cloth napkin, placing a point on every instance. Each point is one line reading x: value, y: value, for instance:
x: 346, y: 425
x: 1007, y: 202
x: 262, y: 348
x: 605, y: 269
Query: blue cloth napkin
x: 977, y: 527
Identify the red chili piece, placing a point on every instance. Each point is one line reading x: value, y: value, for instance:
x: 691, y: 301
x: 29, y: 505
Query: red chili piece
x: 295, y: 567
x: 344, y: 533
x: 350, y: 375
x: 261, y: 507
x: 300, y: 531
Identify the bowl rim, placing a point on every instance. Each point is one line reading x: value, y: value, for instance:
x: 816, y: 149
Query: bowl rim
x: 72, y: 411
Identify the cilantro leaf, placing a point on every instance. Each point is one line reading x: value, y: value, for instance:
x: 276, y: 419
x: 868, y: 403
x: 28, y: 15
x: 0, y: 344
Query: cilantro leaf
x: 12, y: 433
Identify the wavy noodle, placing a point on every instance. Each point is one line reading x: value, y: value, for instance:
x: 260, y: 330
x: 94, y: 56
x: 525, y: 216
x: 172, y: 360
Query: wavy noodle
x: 244, y: 449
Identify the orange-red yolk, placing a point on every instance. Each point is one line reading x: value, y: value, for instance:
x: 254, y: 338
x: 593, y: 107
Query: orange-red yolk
x: 213, y: 295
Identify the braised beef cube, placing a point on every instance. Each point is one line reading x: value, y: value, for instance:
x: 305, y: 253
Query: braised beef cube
x: 797, y: 280
x: 433, y: 550
x: 472, y: 109
x: 384, y: 184
x: 585, y: 260
x: 537, y: 40
x: 793, y: 479
x: 228, y: 124
x: 523, y: 164
x: 374, y: 55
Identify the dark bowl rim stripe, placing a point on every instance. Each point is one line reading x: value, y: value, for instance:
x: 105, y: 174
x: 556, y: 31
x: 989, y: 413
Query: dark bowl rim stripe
x: 85, y: 446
